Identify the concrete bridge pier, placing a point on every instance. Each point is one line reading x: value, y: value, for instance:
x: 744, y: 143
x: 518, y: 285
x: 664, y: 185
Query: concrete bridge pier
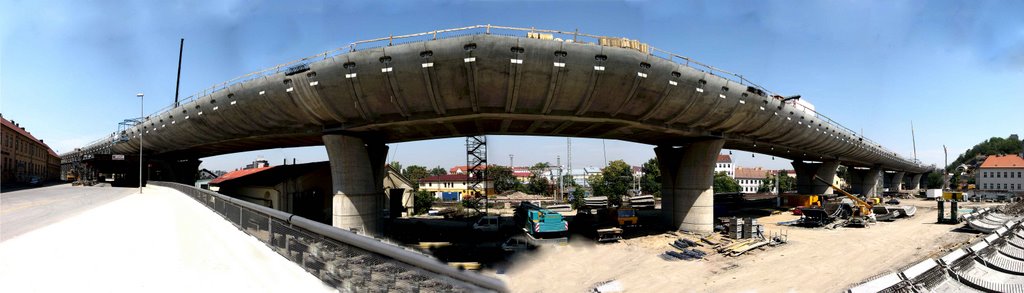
x: 687, y: 174
x: 866, y: 181
x: 913, y: 184
x: 357, y: 178
x: 894, y: 181
x: 805, y: 172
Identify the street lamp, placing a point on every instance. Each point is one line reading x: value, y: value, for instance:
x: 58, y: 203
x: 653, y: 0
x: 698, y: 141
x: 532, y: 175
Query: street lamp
x: 141, y: 122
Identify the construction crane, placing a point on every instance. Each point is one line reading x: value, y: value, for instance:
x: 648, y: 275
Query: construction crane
x: 862, y: 209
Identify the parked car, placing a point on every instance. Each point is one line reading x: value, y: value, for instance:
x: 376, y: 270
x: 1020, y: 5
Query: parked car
x: 487, y: 224
x: 35, y: 181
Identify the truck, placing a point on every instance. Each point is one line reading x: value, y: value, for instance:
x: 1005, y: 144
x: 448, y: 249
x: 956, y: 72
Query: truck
x: 603, y: 222
x: 627, y: 217
x: 540, y: 223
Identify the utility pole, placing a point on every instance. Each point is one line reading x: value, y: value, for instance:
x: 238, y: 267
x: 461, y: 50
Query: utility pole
x: 568, y: 158
x: 561, y: 183
x: 945, y: 174
x: 142, y: 122
x: 604, y: 150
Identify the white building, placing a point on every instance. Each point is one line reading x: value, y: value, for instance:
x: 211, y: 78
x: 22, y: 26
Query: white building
x: 1001, y: 173
x: 724, y: 164
x: 750, y: 179
x: 580, y: 176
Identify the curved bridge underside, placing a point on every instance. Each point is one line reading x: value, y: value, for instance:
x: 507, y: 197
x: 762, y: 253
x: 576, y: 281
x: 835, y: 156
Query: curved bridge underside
x: 492, y: 84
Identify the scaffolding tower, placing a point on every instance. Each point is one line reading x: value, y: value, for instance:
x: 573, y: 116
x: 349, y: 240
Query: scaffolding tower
x: 476, y: 167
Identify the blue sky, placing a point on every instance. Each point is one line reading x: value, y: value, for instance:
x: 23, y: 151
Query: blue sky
x: 69, y: 70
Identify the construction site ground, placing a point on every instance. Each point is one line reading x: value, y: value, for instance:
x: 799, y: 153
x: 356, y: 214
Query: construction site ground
x: 813, y: 260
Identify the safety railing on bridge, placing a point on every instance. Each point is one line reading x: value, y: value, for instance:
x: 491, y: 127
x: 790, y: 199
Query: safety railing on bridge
x: 342, y: 259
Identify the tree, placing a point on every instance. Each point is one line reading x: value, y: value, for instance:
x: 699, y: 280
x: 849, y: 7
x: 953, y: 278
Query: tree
x: 934, y: 180
x: 438, y: 171
x: 576, y: 199
x: 503, y: 178
x: 992, y: 146
x: 538, y: 185
x: 724, y: 183
x: 396, y: 165
x: 650, y: 183
x: 540, y: 167
x: 415, y: 173
x: 786, y: 183
x: 613, y: 182
x: 422, y: 201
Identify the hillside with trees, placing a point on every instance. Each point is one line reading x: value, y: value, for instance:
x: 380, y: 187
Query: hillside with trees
x: 992, y: 146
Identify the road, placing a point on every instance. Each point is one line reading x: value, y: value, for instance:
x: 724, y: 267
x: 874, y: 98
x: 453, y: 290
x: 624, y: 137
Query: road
x: 158, y: 241
x: 25, y: 210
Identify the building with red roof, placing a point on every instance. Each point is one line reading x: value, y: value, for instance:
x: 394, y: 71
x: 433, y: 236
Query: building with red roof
x: 724, y: 164
x: 25, y: 158
x: 451, y: 187
x: 1001, y: 173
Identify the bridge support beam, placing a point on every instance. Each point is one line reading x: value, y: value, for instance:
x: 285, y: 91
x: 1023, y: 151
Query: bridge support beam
x: 357, y: 178
x: 866, y: 181
x: 687, y: 174
x: 894, y: 181
x: 805, y: 172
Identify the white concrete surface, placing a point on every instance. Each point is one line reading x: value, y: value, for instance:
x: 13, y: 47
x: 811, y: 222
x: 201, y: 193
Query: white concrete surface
x: 159, y: 241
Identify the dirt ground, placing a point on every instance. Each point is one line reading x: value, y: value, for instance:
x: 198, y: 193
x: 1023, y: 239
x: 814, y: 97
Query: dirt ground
x: 814, y: 260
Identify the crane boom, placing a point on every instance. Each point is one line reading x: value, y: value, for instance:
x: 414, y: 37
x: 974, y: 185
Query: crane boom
x: 865, y: 207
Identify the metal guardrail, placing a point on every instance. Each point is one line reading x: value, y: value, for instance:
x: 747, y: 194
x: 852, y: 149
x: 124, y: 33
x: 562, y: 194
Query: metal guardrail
x: 342, y: 259
x: 492, y: 29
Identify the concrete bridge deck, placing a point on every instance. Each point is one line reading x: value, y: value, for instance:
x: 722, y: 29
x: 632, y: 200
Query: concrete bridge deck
x: 159, y: 241
x: 475, y: 81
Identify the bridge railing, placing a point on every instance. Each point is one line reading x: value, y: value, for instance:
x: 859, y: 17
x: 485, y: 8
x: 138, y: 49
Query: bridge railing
x: 342, y: 259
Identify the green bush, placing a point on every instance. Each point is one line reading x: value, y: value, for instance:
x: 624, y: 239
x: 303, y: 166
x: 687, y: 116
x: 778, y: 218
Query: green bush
x: 422, y: 202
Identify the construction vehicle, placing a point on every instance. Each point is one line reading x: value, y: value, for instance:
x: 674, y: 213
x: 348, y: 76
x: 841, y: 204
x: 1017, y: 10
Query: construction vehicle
x: 627, y: 217
x: 540, y: 223
x: 861, y: 212
x: 71, y: 176
x: 603, y: 222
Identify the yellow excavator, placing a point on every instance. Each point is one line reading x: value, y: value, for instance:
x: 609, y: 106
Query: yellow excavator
x: 861, y: 213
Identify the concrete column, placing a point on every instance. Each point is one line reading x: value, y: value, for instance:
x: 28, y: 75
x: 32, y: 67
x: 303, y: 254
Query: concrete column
x: 894, y: 181
x: 687, y: 174
x: 357, y: 177
x: 914, y: 186
x: 866, y: 181
x: 805, y: 172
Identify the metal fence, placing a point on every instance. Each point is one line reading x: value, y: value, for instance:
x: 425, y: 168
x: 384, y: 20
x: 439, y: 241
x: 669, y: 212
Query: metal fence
x: 341, y: 259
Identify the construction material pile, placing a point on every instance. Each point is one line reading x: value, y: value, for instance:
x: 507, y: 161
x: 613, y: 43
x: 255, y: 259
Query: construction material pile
x: 642, y: 202
x: 992, y: 264
x: 1016, y: 208
x: 596, y: 202
x: 986, y: 220
x: 746, y: 235
x: 687, y: 250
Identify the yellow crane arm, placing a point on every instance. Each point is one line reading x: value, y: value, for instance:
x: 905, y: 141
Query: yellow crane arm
x: 865, y: 206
